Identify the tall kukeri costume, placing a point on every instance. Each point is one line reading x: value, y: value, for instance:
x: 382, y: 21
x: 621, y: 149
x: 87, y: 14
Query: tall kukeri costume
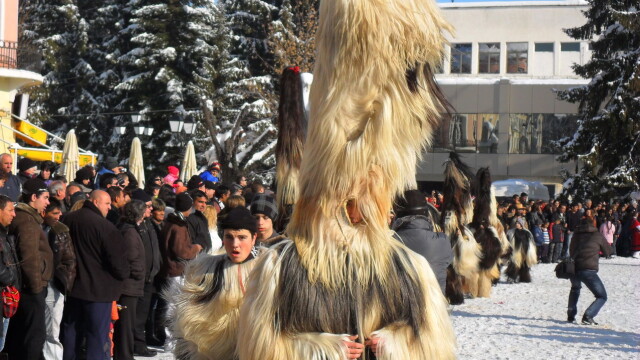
x: 457, y: 213
x: 206, y: 307
x: 523, y: 255
x: 292, y: 128
x: 373, y: 106
x: 492, y: 239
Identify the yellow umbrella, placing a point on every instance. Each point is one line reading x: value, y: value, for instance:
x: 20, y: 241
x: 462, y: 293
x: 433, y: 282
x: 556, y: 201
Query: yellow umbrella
x: 70, y: 156
x: 136, y: 166
x: 189, y: 166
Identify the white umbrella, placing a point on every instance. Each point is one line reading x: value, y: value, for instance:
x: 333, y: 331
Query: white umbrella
x: 189, y: 166
x: 136, y: 166
x: 70, y: 156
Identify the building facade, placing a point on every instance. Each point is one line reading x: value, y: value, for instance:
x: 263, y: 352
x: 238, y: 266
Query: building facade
x: 500, y: 73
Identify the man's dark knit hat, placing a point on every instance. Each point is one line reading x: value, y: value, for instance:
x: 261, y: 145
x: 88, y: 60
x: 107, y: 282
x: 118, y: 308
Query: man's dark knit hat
x: 34, y: 186
x: 195, y: 182
x: 240, y: 218
x: 25, y: 164
x: 264, y: 204
x: 111, y: 162
x: 184, y: 202
x: 141, y: 195
x: 209, y: 185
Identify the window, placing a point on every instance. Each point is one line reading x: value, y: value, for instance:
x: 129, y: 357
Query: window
x: 489, y: 58
x: 569, y: 55
x: 570, y: 46
x: 469, y: 133
x: 539, y: 133
x: 461, y: 59
x: 517, y: 58
x: 543, y: 61
x: 544, y: 47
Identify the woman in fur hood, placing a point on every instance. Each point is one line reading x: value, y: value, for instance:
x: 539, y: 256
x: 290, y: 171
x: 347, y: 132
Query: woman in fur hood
x: 207, y: 305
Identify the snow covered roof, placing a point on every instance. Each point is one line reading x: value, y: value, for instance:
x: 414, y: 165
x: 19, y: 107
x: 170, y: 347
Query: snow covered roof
x: 455, y: 80
x: 508, y: 188
x: 487, y: 4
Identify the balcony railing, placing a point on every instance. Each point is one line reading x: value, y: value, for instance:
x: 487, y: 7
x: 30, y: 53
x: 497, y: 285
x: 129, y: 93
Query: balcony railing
x: 13, y: 56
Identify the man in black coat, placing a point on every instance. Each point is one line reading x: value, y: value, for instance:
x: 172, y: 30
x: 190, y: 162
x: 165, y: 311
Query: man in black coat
x: 12, y: 186
x: 198, y: 225
x: 101, y: 267
x: 585, y: 250
x: 152, y: 267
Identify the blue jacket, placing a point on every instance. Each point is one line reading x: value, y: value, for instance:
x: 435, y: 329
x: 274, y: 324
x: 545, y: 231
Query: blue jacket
x: 12, y: 188
x: 416, y: 232
x: 206, y: 175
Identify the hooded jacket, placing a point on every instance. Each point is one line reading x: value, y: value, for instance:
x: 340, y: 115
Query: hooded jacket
x: 586, y: 245
x: 101, y: 266
x: 32, y: 248
x: 416, y: 232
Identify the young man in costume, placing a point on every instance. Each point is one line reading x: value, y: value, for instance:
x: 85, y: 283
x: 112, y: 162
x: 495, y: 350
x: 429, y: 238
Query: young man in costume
x: 207, y: 305
x: 339, y: 286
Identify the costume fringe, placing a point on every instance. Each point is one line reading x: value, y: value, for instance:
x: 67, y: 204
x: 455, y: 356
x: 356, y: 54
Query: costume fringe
x: 433, y: 339
x: 373, y: 106
x: 291, y: 136
x: 205, y: 324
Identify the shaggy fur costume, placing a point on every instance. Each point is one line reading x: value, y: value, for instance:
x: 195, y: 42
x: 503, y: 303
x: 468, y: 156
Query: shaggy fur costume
x: 486, y: 234
x: 523, y: 257
x: 206, y: 307
x: 292, y: 127
x: 457, y: 212
x: 373, y: 105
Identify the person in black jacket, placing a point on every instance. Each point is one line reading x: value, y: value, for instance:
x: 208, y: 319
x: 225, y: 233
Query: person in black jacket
x: 132, y: 287
x: 9, y: 272
x: 198, y: 225
x: 414, y: 224
x: 12, y: 186
x: 64, y: 274
x: 152, y: 267
x: 101, y: 268
x: 585, y: 250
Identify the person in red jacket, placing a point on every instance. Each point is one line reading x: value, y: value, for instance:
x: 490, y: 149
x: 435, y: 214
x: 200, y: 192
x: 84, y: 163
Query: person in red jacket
x: 635, y: 239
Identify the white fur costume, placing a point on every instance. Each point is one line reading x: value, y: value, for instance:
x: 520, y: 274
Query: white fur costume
x: 206, y: 312
x: 374, y: 104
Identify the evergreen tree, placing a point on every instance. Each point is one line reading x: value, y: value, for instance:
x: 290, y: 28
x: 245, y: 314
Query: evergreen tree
x: 57, y: 29
x: 292, y: 36
x: 607, y: 143
x: 235, y: 113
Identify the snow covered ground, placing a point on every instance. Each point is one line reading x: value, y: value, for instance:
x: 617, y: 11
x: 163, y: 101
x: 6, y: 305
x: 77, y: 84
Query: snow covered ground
x: 528, y: 321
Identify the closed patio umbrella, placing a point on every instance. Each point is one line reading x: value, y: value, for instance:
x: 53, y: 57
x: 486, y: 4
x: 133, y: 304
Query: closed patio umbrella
x: 189, y: 166
x: 70, y: 156
x: 136, y: 165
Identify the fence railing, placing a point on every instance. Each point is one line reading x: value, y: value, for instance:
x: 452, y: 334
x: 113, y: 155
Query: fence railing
x: 13, y: 56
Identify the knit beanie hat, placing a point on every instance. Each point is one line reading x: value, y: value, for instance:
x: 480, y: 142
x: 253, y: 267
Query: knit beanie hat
x: 240, y: 218
x: 141, y: 195
x: 25, y: 164
x: 34, y: 186
x: 184, y: 202
x: 173, y: 170
x: 111, y: 162
x: 520, y: 221
x: 264, y: 204
x: 195, y: 182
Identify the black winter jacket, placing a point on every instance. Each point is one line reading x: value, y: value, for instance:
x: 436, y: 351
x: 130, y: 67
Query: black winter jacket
x: 64, y: 256
x: 416, y: 232
x: 586, y: 245
x: 12, y: 187
x: 152, y: 255
x: 9, y: 271
x: 101, y: 266
x: 199, y: 230
x: 134, y: 285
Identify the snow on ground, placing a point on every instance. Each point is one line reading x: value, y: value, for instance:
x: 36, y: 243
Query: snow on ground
x: 528, y: 321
